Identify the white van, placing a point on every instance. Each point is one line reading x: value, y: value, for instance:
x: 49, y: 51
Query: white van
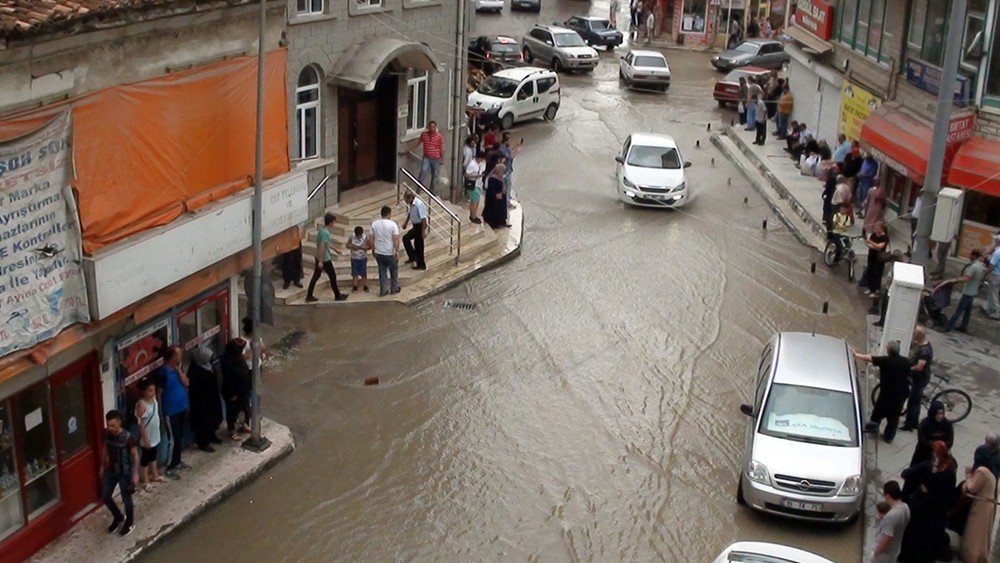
x: 516, y: 94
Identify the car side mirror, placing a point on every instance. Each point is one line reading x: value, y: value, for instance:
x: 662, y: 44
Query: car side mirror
x: 547, y: 42
x: 687, y: 164
x: 619, y: 159
x: 746, y: 409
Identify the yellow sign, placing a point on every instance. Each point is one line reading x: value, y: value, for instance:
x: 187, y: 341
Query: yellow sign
x: 973, y: 236
x: 855, y: 105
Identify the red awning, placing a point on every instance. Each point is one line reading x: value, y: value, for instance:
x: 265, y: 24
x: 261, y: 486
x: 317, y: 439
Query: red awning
x: 977, y: 166
x: 902, y: 142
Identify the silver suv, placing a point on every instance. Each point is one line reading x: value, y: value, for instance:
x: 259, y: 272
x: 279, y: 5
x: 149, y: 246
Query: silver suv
x: 560, y: 48
x: 803, y: 456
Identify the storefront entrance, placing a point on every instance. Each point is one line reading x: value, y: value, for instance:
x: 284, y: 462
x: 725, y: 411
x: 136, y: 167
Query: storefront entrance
x: 366, y: 133
x: 49, y: 449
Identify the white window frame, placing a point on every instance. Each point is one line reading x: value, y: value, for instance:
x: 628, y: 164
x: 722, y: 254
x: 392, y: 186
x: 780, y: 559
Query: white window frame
x: 310, y: 7
x: 413, y: 88
x: 300, y: 114
x: 369, y: 4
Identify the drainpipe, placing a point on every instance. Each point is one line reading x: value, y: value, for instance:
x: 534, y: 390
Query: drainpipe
x: 458, y: 105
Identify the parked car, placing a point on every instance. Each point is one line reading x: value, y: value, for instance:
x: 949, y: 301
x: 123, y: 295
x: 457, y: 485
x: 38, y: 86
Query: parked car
x: 765, y: 53
x: 516, y: 94
x: 532, y: 5
x: 489, y: 6
x: 762, y: 552
x: 651, y: 172
x: 727, y: 90
x: 560, y: 48
x: 597, y: 32
x: 803, y: 456
x: 494, y: 52
x: 645, y: 68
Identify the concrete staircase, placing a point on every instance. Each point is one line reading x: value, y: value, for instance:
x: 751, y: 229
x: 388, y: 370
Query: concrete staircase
x: 476, y: 239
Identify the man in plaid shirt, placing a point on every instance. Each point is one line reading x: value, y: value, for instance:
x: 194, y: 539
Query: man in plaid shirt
x: 433, y: 144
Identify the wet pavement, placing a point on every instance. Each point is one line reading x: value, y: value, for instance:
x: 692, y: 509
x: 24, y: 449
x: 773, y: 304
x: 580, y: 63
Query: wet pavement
x: 586, y: 407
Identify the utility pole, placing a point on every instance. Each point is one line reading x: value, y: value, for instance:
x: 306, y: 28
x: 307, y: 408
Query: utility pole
x: 256, y: 442
x: 939, y: 141
x: 458, y: 102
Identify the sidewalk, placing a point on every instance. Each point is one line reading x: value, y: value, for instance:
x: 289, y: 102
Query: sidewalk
x: 970, y: 362
x: 169, y: 506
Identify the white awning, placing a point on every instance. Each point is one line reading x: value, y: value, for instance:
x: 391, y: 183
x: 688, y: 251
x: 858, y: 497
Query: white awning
x: 360, y: 66
x: 808, y: 40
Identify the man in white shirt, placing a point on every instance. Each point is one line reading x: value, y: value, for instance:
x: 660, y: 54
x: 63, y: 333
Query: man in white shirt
x: 469, y: 150
x: 386, y: 243
x: 413, y: 241
x: 474, y: 185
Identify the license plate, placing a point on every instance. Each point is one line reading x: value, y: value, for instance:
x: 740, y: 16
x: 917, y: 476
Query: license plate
x: 810, y: 506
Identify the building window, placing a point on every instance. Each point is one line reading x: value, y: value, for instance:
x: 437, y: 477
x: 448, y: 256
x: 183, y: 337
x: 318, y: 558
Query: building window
x: 307, y: 112
x: 369, y: 3
x: 993, y: 68
x: 309, y: 7
x: 416, y: 103
x: 694, y: 15
x: 862, y: 27
x: 928, y: 32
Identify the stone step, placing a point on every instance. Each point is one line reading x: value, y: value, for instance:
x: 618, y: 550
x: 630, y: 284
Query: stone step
x: 432, y: 247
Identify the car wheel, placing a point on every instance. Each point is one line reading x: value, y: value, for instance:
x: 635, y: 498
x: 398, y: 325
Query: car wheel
x: 784, y: 66
x: 526, y: 52
x: 550, y: 112
x: 507, y: 121
x: 610, y: 47
x: 740, y: 500
x: 556, y: 65
x: 621, y: 75
x: 722, y: 103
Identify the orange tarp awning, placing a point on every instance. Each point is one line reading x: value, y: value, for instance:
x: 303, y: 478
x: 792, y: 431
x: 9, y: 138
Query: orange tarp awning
x: 977, y: 166
x: 144, y: 153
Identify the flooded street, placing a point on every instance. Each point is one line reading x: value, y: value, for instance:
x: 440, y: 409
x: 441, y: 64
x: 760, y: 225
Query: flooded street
x: 587, y: 407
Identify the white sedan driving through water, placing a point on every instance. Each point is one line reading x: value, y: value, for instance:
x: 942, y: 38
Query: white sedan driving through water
x: 651, y: 172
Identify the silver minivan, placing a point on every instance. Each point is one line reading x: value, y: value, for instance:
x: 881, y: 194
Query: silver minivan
x: 803, y: 456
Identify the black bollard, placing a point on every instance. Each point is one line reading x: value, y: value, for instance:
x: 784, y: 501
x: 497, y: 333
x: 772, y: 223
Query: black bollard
x: 713, y: 161
x: 826, y: 307
x: 764, y: 225
x: 732, y: 123
x: 697, y: 144
x: 746, y: 200
x: 371, y: 381
x: 709, y: 127
x: 812, y: 268
x: 729, y: 181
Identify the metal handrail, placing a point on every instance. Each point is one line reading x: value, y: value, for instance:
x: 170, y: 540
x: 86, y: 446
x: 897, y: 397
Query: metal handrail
x: 318, y: 188
x: 455, y: 224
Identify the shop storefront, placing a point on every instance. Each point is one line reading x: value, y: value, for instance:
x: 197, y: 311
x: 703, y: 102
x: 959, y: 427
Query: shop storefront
x: 901, y: 143
x: 976, y: 169
x: 693, y: 22
x: 49, y: 454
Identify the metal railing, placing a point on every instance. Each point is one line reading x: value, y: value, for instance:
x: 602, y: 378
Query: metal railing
x: 318, y: 188
x: 405, y: 179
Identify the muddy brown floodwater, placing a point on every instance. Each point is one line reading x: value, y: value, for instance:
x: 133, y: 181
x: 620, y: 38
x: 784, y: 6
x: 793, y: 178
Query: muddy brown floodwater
x: 586, y: 409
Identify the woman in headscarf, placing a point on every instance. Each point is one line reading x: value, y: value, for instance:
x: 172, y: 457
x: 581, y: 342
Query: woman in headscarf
x: 980, y: 487
x: 934, y: 427
x: 495, y: 208
x: 236, y: 386
x: 206, y: 408
x: 933, y: 483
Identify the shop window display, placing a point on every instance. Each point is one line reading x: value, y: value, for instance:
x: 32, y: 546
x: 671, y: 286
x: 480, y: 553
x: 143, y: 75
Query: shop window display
x: 11, y: 517
x: 694, y: 15
x: 38, y: 462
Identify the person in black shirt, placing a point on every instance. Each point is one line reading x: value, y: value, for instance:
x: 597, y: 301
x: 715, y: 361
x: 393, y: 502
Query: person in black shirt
x: 878, y: 242
x: 893, y: 379
x: 920, y: 376
x: 119, y: 468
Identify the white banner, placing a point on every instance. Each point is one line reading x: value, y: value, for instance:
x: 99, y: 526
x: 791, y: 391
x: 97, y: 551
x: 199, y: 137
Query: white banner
x: 42, y: 289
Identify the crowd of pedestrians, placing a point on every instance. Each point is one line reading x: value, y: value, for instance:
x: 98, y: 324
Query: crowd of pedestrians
x: 489, y: 175
x: 913, y: 521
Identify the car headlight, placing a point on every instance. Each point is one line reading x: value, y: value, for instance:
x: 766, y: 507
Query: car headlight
x: 495, y: 106
x: 851, y: 487
x: 757, y: 473
x: 627, y: 183
x: 680, y: 187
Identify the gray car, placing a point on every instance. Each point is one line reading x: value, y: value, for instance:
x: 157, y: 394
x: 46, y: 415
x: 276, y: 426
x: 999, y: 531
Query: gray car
x: 559, y: 48
x: 764, y: 53
x: 526, y: 5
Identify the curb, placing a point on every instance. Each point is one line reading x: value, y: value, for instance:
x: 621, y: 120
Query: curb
x: 763, y: 191
x: 213, y: 500
x: 870, y: 450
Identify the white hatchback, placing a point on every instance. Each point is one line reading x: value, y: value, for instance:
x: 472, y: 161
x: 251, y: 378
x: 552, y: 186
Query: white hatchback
x: 651, y: 172
x: 762, y: 552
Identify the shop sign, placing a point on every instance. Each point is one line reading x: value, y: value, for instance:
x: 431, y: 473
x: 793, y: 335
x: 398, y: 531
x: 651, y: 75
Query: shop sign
x: 927, y: 77
x: 892, y: 163
x: 974, y: 235
x: 960, y: 128
x: 42, y: 289
x: 814, y: 16
x: 855, y: 105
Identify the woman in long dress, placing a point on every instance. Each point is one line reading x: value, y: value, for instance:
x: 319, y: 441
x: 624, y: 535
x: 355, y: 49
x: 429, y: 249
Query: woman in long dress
x: 934, y: 484
x: 495, y: 207
x: 981, y: 486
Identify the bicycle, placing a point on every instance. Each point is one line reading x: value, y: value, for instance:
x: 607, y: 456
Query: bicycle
x: 834, y: 252
x: 957, y: 403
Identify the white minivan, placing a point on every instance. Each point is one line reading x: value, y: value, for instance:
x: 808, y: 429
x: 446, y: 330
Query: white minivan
x: 516, y: 94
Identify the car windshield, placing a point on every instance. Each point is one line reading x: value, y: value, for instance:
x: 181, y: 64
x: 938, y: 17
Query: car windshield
x: 498, y: 87
x: 568, y: 40
x: 599, y: 25
x: 808, y: 414
x: 505, y: 47
x: 748, y: 48
x: 655, y: 62
x: 654, y: 157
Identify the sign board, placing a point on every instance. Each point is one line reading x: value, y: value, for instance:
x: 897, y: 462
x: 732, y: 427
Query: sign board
x: 42, y: 288
x: 130, y: 270
x: 814, y: 16
x: 855, y: 105
x: 974, y: 235
x: 927, y: 77
x: 960, y: 128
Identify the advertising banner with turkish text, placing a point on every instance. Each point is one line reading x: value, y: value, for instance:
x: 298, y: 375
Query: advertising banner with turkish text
x: 42, y: 289
x: 855, y: 105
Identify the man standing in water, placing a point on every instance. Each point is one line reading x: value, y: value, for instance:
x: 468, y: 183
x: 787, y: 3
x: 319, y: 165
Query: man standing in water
x: 119, y: 468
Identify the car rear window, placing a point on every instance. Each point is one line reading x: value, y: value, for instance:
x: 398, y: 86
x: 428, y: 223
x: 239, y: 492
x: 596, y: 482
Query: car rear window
x: 499, y: 47
x: 599, y: 25
x: 655, y: 62
x: 545, y: 84
x: 808, y: 414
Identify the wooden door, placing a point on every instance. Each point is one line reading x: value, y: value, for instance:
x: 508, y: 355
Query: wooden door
x: 365, y: 140
x: 75, y: 397
x: 344, y: 137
